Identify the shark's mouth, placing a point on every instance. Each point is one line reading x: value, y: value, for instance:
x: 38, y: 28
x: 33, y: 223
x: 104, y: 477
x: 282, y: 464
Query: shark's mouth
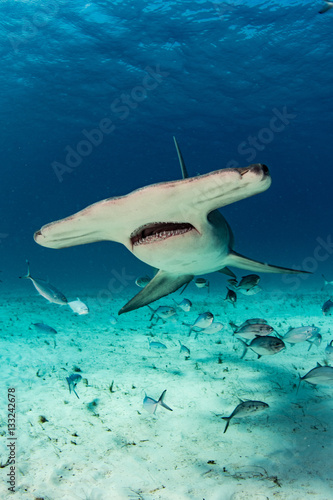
x: 158, y: 231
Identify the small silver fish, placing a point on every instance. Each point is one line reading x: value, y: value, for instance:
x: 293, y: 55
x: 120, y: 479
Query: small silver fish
x: 184, y: 349
x: 185, y: 305
x: 151, y: 404
x: 263, y: 346
x: 231, y: 297
x: 300, y: 334
x: 251, y: 331
x: 162, y: 312
x: 48, y: 291
x: 248, y: 282
x: 329, y: 350
x: 201, y: 283
x: 78, y: 307
x: 142, y: 281
x: 72, y: 381
x: 154, y: 344
x: 244, y: 409
x: 203, y: 321
x: 42, y: 327
x: 321, y: 375
x: 327, y: 308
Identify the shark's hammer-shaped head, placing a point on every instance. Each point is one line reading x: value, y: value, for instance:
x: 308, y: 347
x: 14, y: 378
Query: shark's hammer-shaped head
x: 170, y: 215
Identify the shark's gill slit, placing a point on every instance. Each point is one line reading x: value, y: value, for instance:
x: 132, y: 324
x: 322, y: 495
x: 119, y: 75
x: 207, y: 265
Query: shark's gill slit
x: 159, y: 231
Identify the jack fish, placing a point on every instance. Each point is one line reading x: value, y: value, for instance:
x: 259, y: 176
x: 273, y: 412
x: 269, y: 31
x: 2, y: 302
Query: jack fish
x: 244, y: 409
x: 151, y: 404
x: 46, y: 290
x: 263, y: 346
x: 321, y: 375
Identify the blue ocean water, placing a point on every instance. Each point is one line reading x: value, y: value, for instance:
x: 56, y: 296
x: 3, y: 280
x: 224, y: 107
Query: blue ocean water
x: 91, y: 97
x: 235, y: 82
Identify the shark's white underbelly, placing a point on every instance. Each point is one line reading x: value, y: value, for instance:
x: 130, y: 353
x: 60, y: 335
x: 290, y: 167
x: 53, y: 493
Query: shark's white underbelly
x: 193, y: 252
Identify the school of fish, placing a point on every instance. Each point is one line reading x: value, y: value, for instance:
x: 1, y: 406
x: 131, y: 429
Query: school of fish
x: 255, y: 334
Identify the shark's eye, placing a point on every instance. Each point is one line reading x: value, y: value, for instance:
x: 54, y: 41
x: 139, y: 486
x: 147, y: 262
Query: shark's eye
x: 158, y: 231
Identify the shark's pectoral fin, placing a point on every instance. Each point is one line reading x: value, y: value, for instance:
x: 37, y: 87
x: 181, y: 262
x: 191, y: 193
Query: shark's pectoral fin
x: 238, y: 260
x: 162, y: 284
x: 227, y: 271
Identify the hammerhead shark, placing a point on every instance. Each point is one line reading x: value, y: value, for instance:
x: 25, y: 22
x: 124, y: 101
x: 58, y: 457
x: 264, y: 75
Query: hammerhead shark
x: 173, y: 226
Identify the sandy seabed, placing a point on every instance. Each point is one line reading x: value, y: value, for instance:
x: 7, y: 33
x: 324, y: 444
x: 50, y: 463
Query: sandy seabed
x: 106, y: 446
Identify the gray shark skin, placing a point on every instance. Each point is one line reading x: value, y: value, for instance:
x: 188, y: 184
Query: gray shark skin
x: 173, y: 226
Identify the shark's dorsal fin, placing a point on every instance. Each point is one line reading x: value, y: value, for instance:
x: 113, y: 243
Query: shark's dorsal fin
x: 185, y: 175
x: 181, y: 160
x: 162, y: 284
